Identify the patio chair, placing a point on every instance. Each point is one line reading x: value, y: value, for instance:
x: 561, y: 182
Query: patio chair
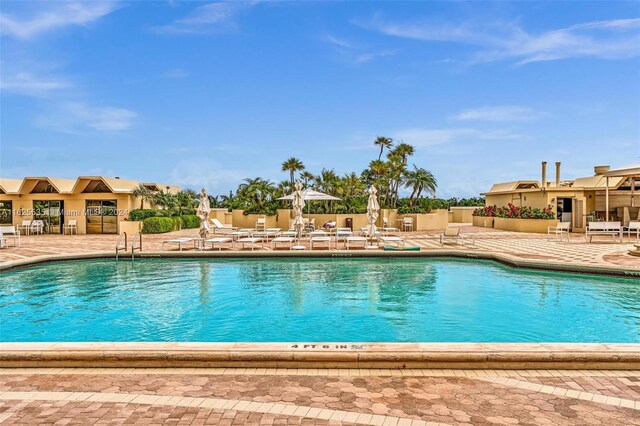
x: 180, y: 242
x: 562, y: 228
x: 249, y: 240
x: 407, y: 224
x: 261, y: 224
x: 391, y: 241
x: 24, y: 227
x: 634, y: 226
x: 72, y: 225
x: 219, y: 241
x: 218, y: 227
x: 36, y: 227
x: 386, y: 229
x: 319, y: 237
x: 283, y: 240
x: 451, y: 234
x: 10, y: 231
x: 3, y: 242
x: 353, y: 240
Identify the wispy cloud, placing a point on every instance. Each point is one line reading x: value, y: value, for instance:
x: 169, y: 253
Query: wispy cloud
x: 196, y: 172
x: 81, y: 117
x: 611, y: 39
x: 176, y: 73
x: 353, y: 52
x: 52, y: 16
x: 429, y: 137
x: 25, y: 83
x: 218, y: 17
x: 499, y: 113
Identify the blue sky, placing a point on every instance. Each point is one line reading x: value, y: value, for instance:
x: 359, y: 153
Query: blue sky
x: 205, y: 94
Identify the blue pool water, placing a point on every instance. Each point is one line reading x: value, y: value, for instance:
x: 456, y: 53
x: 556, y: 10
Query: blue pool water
x: 270, y: 300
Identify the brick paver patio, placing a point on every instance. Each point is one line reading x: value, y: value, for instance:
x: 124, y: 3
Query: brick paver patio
x: 339, y: 397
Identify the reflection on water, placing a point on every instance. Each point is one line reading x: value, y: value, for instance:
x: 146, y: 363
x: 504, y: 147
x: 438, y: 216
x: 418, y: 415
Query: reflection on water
x: 313, y: 300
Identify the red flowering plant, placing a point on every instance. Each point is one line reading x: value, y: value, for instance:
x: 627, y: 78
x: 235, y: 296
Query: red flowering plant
x: 488, y: 211
x: 516, y: 212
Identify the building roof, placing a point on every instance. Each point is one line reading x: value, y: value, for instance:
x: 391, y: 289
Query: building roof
x: 512, y: 186
x: 626, y: 171
x: 70, y: 186
x: 597, y: 182
x: 10, y: 186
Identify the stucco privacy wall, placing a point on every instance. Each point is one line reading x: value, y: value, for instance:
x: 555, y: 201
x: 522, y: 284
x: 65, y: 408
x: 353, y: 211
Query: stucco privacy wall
x: 462, y: 214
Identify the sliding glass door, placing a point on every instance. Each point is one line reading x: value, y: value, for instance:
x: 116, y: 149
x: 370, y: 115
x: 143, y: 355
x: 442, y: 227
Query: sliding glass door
x: 102, y: 216
x: 51, y: 212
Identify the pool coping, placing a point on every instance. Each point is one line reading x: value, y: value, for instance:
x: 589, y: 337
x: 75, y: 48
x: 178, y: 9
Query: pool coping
x: 573, y: 356
x: 546, y: 265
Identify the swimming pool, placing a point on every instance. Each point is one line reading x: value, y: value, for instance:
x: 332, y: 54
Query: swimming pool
x: 287, y: 300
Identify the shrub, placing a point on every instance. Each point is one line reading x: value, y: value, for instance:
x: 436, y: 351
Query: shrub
x: 177, y: 223
x: 157, y: 225
x: 142, y: 214
x: 190, y: 221
x: 515, y: 212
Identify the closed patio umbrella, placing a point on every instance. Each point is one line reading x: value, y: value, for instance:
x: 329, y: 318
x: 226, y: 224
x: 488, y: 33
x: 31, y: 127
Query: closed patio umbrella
x: 298, y: 207
x: 203, y: 213
x: 373, y: 211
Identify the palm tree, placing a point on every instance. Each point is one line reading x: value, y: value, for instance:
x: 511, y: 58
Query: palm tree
x: 383, y: 142
x: 292, y: 165
x: 404, y: 150
x: 419, y: 179
x: 144, y: 193
x: 306, y: 178
x: 164, y: 199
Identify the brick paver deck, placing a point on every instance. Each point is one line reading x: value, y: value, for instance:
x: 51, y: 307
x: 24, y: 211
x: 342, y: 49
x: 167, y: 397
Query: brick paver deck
x: 535, y: 248
x: 339, y: 397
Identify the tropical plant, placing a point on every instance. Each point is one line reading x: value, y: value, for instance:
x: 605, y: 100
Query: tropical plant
x: 419, y: 180
x: 165, y: 200
x: 383, y: 142
x: 144, y: 193
x: 292, y: 165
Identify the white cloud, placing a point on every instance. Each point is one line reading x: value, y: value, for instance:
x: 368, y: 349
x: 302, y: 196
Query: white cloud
x: 25, y: 83
x: 499, y: 113
x: 204, y: 172
x: 352, y: 52
x: 53, y: 16
x: 429, y: 137
x: 176, y: 73
x: 218, y: 17
x: 80, y: 117
x: 612, y: 39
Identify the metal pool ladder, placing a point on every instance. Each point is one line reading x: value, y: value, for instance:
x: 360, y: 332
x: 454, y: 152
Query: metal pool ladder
x: 135, y: 245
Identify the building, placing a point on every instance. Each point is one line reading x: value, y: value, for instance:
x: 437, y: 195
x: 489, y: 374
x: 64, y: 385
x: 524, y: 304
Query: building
x: 97, y: 203
x: 578, y: 201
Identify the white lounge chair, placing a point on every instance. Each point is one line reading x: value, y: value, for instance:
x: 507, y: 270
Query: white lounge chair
x: 219, y: 241
x: 10, y: 231
x: 341, y: 234
x: 267, y: 233
x: 72, y: 225
x: 180, y: 242
x: 407, y: 224
x: 318, y: 239
x: 451, y: 234
x: 248, y: 240
x: 562, y: 228
x: 390, y: 241
x: 3, y: 242
x: 261, y: 224
x: 634, y: 226
x: 218, y: 227
x: 386, y: 229
x: 283, y: 240
x: 354, y: 240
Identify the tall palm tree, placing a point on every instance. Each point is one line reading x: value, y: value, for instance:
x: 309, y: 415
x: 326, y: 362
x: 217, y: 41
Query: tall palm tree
x: 306, y: 177
x: 404, y: 150
x: 292, y: 165
x: 383, y: 142
x: 419, y: 180
x: 144, y: 193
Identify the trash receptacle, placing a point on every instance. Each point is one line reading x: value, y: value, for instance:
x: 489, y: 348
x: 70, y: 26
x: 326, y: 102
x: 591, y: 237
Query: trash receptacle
x: 349, y: 223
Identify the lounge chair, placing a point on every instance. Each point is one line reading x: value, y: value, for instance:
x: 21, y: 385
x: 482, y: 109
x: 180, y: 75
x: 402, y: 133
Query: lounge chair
x: 248, y: 240
x: 284, y: 240
x: 218, y: 227
x: 451, y: 234
x: 180, y: 242
x: 388, y: 241
x: 562, y: 228
x: 10, y: 231
x: 386, y: 229
x: 319, y: 237
x: 634, y: 226
x: 407, y: 224
x: 219, y: 241
x: 72, y: 225
x: 261, y: 224
x: 353, y: 240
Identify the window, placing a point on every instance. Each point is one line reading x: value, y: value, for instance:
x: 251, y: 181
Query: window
x: 102, y: 216
x: 96, y: 186
x: 51, y: 212
x: 43, y: 187
x: 6, y: 212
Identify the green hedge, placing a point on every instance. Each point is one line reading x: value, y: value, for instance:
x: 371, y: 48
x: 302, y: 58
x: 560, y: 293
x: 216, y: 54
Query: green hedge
x: 141, y: 214
x: 158, y: 225
x: 190, y: 221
